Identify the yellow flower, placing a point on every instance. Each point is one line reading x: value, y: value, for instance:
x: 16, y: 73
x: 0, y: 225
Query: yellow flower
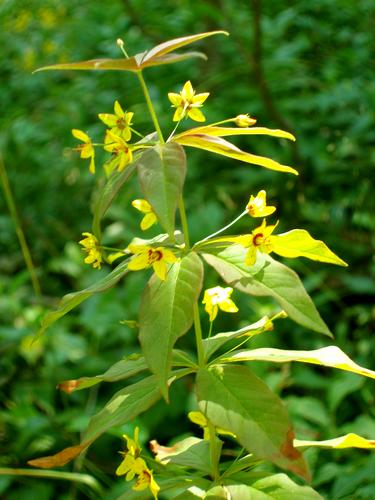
x: 86, y: 149
x: 198, y: 418
x: 187, y: 103
x: 119, y: 123
x: 146, y: 480
x: 257, y: 206
x: 244, y: 121
x: 120, y: 148
x: 259, y: 239
x: 218, y: 298
x: 150, y: 218
x: 294, y: 243
x: 133, y: 465
x: 91, y: 246
x: 146, y: 256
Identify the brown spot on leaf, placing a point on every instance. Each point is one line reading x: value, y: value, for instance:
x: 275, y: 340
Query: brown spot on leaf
x: 68, y: 386
x: 61, y: 458
x: 287, y: 449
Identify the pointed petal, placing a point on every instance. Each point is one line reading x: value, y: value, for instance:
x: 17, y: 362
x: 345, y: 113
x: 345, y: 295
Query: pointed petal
x: 142, y: 206
x: 196, y: 114
x: 92, y: 165
x: 148, y: 221
x: 228, y: 305
x: 108, y: 119
x: 160, y: 269
x: 251, y: 256
x: 175, y: 99
x: 179, y: 114
x: 138, y: 262
x: 200, y: 98
x: 118, y: 109
x: 187, y: 92
x: 78, y: 134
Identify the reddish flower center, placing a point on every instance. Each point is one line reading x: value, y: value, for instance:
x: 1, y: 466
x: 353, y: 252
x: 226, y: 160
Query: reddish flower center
x: 154, y: 256
x: 258, y: 239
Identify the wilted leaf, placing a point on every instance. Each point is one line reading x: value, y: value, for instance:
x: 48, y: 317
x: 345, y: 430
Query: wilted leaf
x: 216, y: 131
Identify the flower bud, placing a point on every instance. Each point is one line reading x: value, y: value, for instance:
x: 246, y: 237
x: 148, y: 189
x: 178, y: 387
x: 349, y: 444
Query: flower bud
x: 244, y: 121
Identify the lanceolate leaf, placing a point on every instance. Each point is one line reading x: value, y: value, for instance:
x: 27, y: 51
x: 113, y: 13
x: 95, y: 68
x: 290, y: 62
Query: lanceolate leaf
x: 123, y: 406
x: 72, y: 300
x: 212, y: 344
x: 348, y: 441
x: 225, y: 148
x: 161, y: 173
x: 119, y: 371
x: 215, y: 131
x: 233, y: 398
x: 281, y: 487
x: 107, y: 194
x: 268, y: 278
x: 299, y: 243
x: 330, y: 356
x: 172, y: 58
x: 176, y: 43
x: 166, y: 313
x: 96, y: 64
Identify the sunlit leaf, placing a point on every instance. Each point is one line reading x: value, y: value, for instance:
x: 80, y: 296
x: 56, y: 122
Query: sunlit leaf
x: 330, y: 356
x: 176, y: 43
x: 212, y: 344
x: 161, y: 173
x: 299, y: 243
x: 72, y: 300
x: 216, y: 131
x: 267, y: 277
x: 225, y: 148
x: 234, y: 399
x: 167, y: 313
x: 348, y: 441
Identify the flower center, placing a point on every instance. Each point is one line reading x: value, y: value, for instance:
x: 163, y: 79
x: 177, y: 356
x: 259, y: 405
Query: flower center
x: 258, y: 239
x: 153, y: 256
x: 121, y: 124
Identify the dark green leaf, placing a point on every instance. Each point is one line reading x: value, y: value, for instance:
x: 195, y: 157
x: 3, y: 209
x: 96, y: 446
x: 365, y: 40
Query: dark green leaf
x: 234, y: 399
x: 167, y: 313
x: 72, y: 300
x: 161, y: 173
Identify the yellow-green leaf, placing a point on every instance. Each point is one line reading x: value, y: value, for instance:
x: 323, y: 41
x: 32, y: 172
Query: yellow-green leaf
x: 96, y: 64
x: 215, y: 131
x: 176, y: 43
x: 330, y: 356
x: 225, y: 148
x: 299, y: 243
x: 350, y: 440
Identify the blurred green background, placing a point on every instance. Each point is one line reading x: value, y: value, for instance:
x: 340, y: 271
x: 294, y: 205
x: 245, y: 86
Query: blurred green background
x: 304, y: 66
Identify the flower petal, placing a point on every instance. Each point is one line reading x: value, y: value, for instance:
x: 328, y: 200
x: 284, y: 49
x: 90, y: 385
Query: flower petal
x: 160, y: 269
x: 175, y: 99
x: 138, y: 262
x: 78, y: 134
x: 196, y: 115
x: 148, y: 220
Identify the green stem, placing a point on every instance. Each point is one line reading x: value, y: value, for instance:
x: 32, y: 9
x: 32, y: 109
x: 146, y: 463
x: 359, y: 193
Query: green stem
x: 150, y: 106
x: 214, y: 452
x: 223, y: 228
x: 210, y: 330
x: 20, y: 234
x: 198, y: 336
x: 54, y: 474
x: 185, y: 228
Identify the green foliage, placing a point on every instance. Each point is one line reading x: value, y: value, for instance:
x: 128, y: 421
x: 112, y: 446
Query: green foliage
x: 310, y: 70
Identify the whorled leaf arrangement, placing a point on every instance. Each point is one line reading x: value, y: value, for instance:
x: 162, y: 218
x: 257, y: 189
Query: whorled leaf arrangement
x: 230, y: 399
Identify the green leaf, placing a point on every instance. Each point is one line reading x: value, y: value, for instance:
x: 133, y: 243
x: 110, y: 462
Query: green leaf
x: 225, y: 148
x: 72, y: 300
x: 267, y: 277
x: 350, y: 440
x: 190, y: 452
x: 234, y: 399
x: 161, y: 173
x: 215, y: 131
x: 122, y: 407
x: 281, y: 487
x: 212, y: 344
x: 176, y: 43
x: 166, y: 313
x: 330, y: 356
x: 119, y: 371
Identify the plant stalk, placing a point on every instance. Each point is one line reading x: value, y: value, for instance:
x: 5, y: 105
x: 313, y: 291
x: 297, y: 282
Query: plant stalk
x: 150, y: 106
